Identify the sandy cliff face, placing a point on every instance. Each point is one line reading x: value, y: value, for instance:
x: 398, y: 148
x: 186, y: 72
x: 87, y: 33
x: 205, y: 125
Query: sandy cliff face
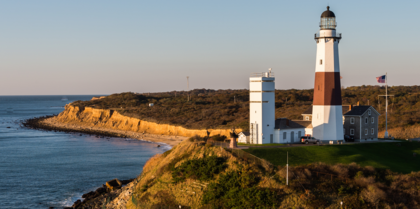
x: 112, y: 119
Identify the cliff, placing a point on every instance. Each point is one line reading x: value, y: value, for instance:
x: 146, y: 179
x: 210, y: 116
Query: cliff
x: 107, y: 118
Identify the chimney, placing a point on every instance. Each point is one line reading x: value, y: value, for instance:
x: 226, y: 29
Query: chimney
x: 350, y: 106
x: 287, y: 122
x: 358, y: 103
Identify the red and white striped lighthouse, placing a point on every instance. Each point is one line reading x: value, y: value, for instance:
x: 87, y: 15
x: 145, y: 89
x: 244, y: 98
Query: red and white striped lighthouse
x: 327, y: 116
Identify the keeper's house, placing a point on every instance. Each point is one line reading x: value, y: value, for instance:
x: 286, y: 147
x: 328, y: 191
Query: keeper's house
x: 361, y: 122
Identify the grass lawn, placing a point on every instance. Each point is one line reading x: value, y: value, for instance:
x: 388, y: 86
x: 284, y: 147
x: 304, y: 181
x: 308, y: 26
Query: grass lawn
x: 378, y: 155
x: 261, y: 145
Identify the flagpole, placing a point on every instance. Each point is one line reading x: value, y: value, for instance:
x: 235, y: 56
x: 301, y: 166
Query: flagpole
x: 386, y: 105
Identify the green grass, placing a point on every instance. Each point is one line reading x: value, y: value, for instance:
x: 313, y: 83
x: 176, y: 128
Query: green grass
x: 378, y: 155
x: 260, y: 145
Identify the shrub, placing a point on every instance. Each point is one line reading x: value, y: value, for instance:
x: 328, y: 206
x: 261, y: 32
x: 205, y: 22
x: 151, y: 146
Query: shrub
x: 373, y: 194
x: 359, y: 174
x: 197, y: 138
x: 201, y: 169
x: 238, y: 189
x: 219, y: 137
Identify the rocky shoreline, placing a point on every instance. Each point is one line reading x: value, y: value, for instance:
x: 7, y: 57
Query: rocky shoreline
x: 100, y: 197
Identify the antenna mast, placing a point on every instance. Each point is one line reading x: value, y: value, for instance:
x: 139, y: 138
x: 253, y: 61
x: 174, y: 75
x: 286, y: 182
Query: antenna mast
x: 188, y: 88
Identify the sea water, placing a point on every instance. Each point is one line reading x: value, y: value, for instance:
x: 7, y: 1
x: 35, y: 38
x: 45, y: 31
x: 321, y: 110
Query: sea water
x: 40, y: 169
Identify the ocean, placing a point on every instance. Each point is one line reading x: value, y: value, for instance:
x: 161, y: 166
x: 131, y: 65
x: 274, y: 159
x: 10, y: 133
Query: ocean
x: 42, y: 169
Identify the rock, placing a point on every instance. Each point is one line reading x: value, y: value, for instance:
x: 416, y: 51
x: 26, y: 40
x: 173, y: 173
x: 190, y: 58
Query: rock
x: 124, y: 182
x: 88, y: 195
x: 113, y: 184
x: 101, y: 190
x: 76, y: 204
x: 158, y: 145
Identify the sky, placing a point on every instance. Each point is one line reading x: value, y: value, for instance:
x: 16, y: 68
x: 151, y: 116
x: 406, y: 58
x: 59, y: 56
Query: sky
x: 50, y: 47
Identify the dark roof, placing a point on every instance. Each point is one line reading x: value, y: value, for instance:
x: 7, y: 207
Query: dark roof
x: 309, y: 110
x: 245, y: 133
x: 284, y: 123
x: 328, y: 13
x: 305, y: 123
x: 358, y: 110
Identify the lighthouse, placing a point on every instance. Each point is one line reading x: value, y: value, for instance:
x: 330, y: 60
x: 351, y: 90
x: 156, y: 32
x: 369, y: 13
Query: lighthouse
x: 327, y: 116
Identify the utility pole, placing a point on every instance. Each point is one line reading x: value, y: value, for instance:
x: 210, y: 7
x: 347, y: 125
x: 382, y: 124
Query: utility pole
x: 386, y: 105
x: 287, y: 170
x: 188, y: 88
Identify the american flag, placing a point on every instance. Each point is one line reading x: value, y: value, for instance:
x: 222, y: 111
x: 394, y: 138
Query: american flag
x: 381, y: 79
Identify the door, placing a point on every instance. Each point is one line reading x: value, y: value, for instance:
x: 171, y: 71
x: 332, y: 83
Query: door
x: 271, y: 138
x: 292, y: 137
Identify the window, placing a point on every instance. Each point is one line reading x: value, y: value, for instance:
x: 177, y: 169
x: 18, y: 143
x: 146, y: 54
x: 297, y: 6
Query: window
x: 372, y: 131
x: 344, y: 131
x: 284, y: 135
x: 366, y: 131
x: 351, y: 120
x: 369, y: 112
x: 366, y: 120
x: 299, y: 134
x: 372, y: 119
x: 307, y: 117
x: 320, y: 61
x: 351, y: 131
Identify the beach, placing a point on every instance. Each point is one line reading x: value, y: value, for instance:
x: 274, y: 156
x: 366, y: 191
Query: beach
x: 53, y: 123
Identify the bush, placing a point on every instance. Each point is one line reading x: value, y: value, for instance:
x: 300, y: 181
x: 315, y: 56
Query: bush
x: 219, y: 137
x: 238, y: 189
x: 201, y: 169
x: 197, y: 138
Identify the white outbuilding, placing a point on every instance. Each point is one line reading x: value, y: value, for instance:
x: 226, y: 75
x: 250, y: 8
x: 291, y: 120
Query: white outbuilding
x: 243, y: 137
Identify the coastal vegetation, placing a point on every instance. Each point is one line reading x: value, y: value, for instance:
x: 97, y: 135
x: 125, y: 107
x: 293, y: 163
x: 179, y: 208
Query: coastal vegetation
x: 230, y: 108
x: 183, y: 177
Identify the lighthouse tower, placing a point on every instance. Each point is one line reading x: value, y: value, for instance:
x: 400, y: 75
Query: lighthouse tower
x: 261, y: 108
x: 327, y: 116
